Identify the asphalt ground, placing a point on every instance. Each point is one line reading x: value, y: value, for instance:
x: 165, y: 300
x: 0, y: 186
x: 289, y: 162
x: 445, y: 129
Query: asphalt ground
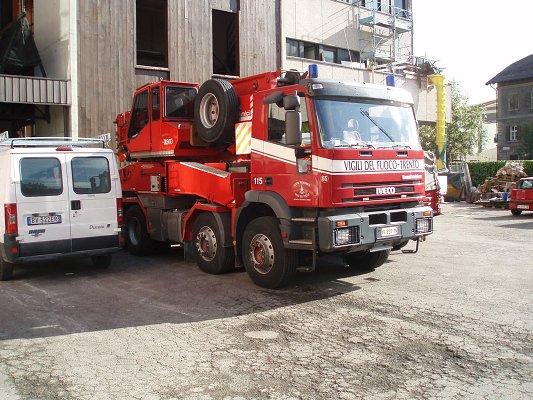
x: 453, y: 321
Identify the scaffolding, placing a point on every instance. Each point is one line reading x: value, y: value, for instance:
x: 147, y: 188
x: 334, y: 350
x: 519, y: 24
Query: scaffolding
x: 384, y: 33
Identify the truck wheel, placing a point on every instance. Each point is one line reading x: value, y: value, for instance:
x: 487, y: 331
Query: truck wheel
x: 266, y: 260
x: 211, y: 256
x: 514, y: 211
x: 102, y: 261
x: 138, y: 240
x: 367, y: 260
x: 216, y: 110
x: 6, y: 270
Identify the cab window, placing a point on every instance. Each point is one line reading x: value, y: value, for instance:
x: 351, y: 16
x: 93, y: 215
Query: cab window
x: 276, y: 123
x: 40, y: 177
x: 139, y: 116
x: 179, y: 102
x: 90, y: 175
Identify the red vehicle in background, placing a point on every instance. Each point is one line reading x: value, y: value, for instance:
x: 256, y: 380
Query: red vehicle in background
x: 522, y: 196
x: 272, y: 171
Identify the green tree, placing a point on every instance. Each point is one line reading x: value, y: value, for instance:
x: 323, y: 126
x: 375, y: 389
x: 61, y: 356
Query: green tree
x: 464, y: 134
x: 526, y: 142
x: 427, y: 138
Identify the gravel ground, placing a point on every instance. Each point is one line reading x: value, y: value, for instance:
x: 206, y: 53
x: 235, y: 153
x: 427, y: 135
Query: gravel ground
x: 453, y: 321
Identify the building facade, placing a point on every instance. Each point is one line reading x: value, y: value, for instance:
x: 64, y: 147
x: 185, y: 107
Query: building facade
x: 96, y: 52
x: 515, y: 108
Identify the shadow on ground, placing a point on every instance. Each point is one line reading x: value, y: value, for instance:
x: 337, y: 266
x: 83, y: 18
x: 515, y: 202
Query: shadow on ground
x: 63, y: 298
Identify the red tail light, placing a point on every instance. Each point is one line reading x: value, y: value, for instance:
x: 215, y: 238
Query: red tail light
x: 120, y: 214
x: 10, y: 212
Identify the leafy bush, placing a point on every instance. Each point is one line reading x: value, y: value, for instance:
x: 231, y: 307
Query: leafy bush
x: 479, y: 171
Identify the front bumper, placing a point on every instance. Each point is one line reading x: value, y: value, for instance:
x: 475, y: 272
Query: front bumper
x: 378, y: 230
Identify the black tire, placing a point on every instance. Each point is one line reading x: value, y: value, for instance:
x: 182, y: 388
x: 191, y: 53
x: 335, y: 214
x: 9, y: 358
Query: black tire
x: 102, y: 261
x: 210, y: 254
x: 6, y: 270
x: 216, y: 110
x: 138, y: 240
x: 514, y: 211
x: 367, y: 260
x: 267, y: 261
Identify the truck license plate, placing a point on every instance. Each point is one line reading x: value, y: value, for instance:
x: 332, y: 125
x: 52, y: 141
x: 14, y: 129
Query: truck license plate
x: 387, y: 231
x: 44, y: 220
x: 522, y: 206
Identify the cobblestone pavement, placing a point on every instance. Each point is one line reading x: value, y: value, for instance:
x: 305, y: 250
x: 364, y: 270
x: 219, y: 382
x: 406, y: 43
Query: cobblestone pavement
x: 453, y: 321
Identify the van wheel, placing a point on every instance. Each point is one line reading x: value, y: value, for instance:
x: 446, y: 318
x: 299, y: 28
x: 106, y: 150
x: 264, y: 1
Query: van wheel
x: 514, y: 211
x: 367, y: 260
x: 6, y: 270
x: 103, y: 261
x: 138, y: 240
x: 216, y: 110
x: 266, y: 260
x: 211, y: 256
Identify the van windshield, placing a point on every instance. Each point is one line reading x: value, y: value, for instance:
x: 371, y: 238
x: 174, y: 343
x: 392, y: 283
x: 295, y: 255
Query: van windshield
x: 90, y: 175
x: 345, y: 123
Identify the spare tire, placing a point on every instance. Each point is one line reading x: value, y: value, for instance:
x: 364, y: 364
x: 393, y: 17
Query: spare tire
x: 216, y: 110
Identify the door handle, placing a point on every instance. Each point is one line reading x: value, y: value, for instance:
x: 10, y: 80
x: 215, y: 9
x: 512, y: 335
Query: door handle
x: 75, y: 205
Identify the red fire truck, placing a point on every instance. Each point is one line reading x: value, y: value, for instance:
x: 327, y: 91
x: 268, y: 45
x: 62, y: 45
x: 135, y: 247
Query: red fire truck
x: 271, y: 171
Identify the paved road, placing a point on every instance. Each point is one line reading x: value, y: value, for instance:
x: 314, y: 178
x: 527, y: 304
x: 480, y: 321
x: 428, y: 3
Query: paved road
x: 451, y: 322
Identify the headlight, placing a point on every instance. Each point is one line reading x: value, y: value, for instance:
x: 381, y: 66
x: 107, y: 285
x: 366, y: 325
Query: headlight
x: 424, y: 225
x: 344, y: 236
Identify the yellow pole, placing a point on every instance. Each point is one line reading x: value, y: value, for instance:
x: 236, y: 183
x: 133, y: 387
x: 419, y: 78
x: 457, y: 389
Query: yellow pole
x: 438, y: 80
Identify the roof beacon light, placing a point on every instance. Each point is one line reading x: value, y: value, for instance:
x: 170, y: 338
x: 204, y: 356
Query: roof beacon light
x: 313, y: 70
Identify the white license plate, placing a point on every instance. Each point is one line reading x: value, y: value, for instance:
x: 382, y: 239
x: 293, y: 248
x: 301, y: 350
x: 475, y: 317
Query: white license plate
x: 44, y: 220
x: 522, y: 206
x: 388, y: 231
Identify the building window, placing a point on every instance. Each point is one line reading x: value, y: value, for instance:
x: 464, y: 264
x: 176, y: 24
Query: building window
x: 225, y: 43
x: 151, y: 20
x: 513, y: 101
x: 313, y: 51
x: 512, y: 135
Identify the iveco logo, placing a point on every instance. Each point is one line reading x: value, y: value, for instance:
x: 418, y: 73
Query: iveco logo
x: 386, y: 190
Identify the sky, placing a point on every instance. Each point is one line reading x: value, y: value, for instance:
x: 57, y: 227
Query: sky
x: 473, y: 40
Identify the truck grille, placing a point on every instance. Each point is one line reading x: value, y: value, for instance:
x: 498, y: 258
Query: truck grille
x: 381, y: 191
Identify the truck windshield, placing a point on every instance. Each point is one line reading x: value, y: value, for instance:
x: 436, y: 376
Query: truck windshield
x: 345, y: 123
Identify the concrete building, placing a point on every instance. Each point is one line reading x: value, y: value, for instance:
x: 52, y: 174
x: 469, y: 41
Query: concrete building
x: 515, y: 106
x: 96, y: 52
x: 487, y: 151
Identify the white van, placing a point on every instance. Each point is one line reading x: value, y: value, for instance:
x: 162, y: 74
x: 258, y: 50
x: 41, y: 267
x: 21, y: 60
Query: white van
x: 61, y: 198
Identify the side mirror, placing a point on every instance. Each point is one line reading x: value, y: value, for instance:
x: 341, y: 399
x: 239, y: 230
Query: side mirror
x: 293, y: 127
x: 291, y: 102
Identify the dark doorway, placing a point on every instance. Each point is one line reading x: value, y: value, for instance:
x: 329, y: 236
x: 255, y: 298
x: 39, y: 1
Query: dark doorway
x: 225, y: 43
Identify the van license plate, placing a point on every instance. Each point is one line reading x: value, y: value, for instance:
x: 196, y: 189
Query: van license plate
x: 387, y: 231
x: 522, y: 206
x: 44, y: 220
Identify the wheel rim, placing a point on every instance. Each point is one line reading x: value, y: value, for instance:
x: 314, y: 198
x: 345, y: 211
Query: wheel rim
x: 261, y: 254
x: 206, y: 243
x: 134, y: 231
x: 209, y: 110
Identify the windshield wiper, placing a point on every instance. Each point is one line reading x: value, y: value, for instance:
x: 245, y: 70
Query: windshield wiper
x: 396, y: 146
x: 360, y: 145
x: 366, y: 114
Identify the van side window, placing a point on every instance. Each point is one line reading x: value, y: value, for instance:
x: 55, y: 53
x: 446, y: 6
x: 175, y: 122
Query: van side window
x: 139, y: 116
x: 90, y: 175
x: 40, y: 177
